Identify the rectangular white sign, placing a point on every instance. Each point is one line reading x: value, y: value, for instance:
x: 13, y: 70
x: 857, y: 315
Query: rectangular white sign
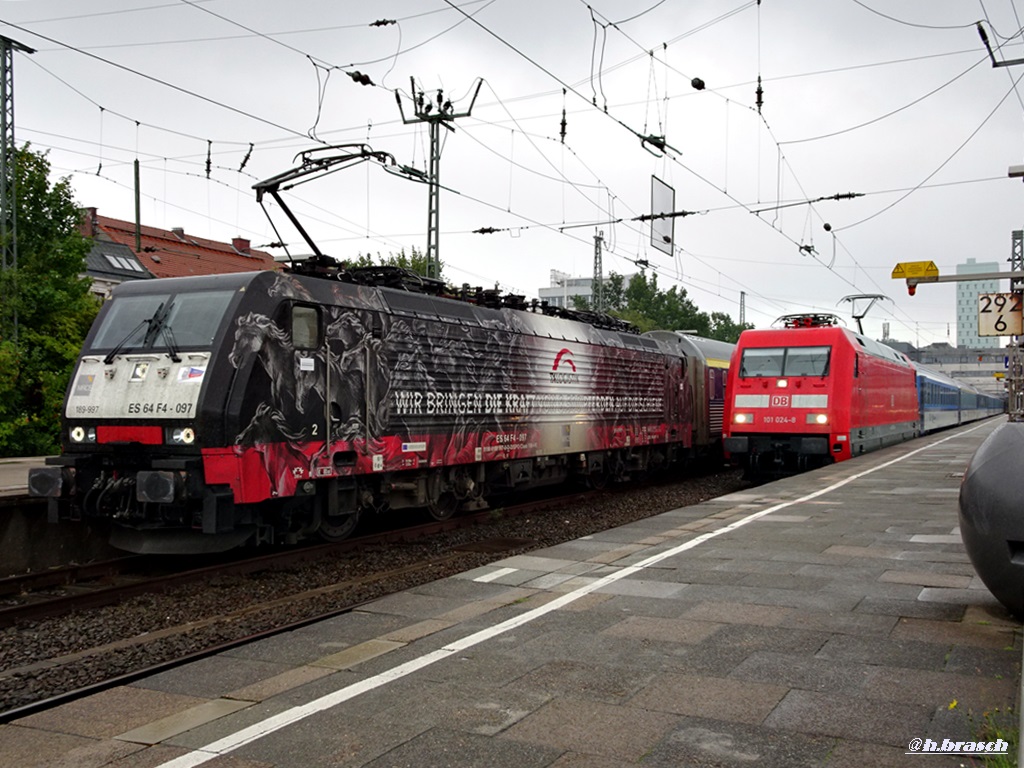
x: 999, y: 314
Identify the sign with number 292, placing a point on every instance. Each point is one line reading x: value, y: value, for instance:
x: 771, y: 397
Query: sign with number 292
x: 999, y: 314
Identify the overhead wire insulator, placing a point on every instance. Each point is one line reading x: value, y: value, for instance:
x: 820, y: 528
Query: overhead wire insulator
x: 360, y: 78
x: 245, y: 160
x: 209, y: 161
x: 416, y: 173
x: 759, y: 94
x: 563, y: 124
x: 382, y: 22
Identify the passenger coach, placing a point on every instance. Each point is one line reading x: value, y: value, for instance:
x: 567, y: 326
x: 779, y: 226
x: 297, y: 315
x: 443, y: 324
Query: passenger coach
x: 707, y: 367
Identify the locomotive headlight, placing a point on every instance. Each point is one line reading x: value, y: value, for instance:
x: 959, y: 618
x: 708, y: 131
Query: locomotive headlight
x: 817, y: 418
x: 743, y: 418
x: 83, y: 435
x: 782, y: 383
x: 183, y: 436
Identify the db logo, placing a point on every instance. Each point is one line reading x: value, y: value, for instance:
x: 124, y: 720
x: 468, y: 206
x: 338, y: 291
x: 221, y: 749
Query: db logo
x: 780, y: 401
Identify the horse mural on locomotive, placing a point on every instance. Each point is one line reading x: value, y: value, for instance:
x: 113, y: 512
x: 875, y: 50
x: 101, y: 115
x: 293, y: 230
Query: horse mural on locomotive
x: 209, y: 412
x: 813, y: 393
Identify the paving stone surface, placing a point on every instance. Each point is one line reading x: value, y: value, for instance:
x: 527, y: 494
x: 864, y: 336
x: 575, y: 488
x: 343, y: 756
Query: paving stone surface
x: 583, y: 725
x: 38, y: 748
x: 108, y: 713
x: 828, y: 632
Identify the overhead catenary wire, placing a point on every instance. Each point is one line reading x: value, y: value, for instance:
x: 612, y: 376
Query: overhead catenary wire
x: 778, y: 143
x: 944, y: 163
x: 867, y: 7
x: 695, y: 283
x: 157, y: 80
x: 809, y: 249
x: 519, y: 157
x: 512, y: 100
x: 222, y: 38
x: 888, y: 114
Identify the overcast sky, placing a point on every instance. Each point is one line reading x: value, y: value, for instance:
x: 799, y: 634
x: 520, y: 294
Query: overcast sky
x: 894, y: 101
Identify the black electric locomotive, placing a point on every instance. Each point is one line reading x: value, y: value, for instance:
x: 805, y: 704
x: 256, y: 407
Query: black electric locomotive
x: 209, y: 412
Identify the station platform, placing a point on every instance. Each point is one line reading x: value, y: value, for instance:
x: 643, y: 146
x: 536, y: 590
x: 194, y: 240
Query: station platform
x: 14, y: 475
x: 829, y: 619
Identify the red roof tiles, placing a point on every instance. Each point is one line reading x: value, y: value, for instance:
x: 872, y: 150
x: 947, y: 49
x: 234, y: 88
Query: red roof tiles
x: 173, y: 253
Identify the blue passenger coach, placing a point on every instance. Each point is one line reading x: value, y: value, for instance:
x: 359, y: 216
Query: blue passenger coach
x: 946, y: 402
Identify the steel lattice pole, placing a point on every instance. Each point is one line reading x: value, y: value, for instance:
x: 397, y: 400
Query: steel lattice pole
x: 7, y: 151
x: 1015, y: 379
x: 8, y: 180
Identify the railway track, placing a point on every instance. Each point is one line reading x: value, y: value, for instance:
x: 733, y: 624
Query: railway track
x: 66, y: 575
x: 35, y: 596
x: 179, y: 631
x: 166, y: 620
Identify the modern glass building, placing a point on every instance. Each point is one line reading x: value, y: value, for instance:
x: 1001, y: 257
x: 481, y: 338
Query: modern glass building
x: 967, y: 305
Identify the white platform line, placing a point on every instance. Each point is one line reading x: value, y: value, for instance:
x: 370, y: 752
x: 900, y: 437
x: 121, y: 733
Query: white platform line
x: 265, y: 727
x: 496, y: 574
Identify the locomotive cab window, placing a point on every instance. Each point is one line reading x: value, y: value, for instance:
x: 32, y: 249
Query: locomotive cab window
x: 195, y: 317
x: 127, y: 320
x: 762, y: 362
x: 785, y: 361
x: 806, y: 361
x: 159, y: 321
x: 305, y: 327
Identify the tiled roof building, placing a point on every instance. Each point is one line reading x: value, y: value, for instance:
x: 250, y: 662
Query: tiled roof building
x: 110, y: 263
x: 162, y: 253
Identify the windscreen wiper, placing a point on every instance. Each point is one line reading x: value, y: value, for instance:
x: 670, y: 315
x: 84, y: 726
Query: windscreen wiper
x: 158, y: 326
x: 172, y: 343
x: 154, y: 324
x: 113, y: 353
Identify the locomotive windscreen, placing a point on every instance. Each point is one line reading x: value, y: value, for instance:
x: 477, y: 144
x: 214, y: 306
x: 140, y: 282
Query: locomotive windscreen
x: 152, y: 321
x: 784, y: 361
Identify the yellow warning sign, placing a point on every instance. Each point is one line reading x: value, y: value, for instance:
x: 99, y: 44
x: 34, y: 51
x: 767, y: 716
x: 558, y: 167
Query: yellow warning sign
x: 907, y: 269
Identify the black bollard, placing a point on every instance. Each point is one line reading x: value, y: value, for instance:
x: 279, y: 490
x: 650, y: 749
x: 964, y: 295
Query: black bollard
x: 992, y: 514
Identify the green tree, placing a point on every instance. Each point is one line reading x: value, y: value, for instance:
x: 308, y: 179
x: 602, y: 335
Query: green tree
x: 53, y: 305
x: 646, y: 306
x: 415, y: 261
x: 670, y: 309
x: 614, y: 292
x: 724, y: 328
